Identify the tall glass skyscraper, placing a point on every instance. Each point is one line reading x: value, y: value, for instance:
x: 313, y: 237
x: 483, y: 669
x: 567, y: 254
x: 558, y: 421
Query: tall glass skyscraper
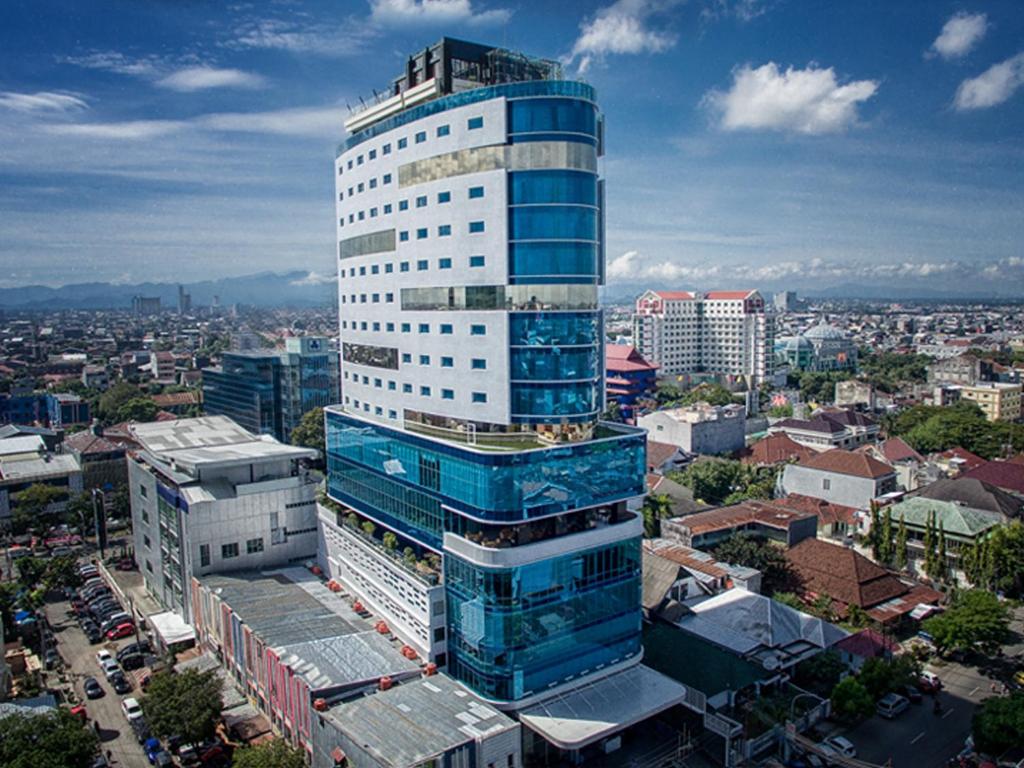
x: 470, y: 229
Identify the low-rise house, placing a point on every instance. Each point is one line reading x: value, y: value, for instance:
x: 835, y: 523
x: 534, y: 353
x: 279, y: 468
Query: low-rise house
x: 24, y: 462
x: 835, y: 521
x: 974, y: 493
x: 699, y: 429
x: 962, y: 527
x: 866, y: 644
x: 664, y: 457
x: 103, y: 461
x: 899, y: 455
x: 778, y: 448
x: 849, y: 579
x: 842, y: 477
x: 764, y: 519
x: 1008, y: 475
x: 830, y: 428
x: 956, y: 461
x: 966, y: 369
x: 998, y: 401
x: 695, y: 575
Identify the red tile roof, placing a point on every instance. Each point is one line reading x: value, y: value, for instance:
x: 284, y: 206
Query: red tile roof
x: 686, y: 557
x: 969, y: 460
x: 897, y: 449
x: 776, y: 449
x: 659, y: 453
x: 842, y: 574
x: 675, y: 295
x: 85, y: 442
x: 825, y: 511
x: 868, y: 644
x: 848, y: 463
x: 763, y: 512
x: 1007, y: 475
x: 727, y: 295
x: 620, y: 358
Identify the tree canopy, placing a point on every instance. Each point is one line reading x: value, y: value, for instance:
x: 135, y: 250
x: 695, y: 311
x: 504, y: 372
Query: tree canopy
x: 34, y: 507
x: 669, y: 394
x: 997, y: 562
x: 754, y: 552
x: 187, y: 704
x: 116, y: 396
x: 851, y: 700
x: 310, y: 431
x: 975, y: 617
x: 52, y: 740
x: 725, y: 481
x: 276, y: 753
x: 998, y: 723
x: 931, y: 428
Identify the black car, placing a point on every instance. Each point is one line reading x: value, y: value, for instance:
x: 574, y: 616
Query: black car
x: 120, y: 683
x: 911, y: 693
x: 133, y: 661
x: 142, y: 646
x: 93, y: 635
x: 51, y: 659
x: 93, y: 690
x: 140, y: 729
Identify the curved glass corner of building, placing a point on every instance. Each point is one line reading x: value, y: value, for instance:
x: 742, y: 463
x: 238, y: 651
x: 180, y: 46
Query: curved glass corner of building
x: 519, y: 631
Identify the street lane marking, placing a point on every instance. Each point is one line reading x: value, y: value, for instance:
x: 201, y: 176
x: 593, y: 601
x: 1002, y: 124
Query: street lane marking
x: 950, y: 712
x: 974, y: 691
x: 917, y: 738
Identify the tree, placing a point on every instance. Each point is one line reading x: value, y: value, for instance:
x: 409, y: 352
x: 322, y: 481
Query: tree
x: 187, y: 704
x: 62, y: 572
x: 929, y: 545
x: 390, y: 541
x: 820, y: 673
x: 857, y: 617
x: 368, y: 528
x: 851, y: 700
x: 34, y: 507
x: 781, y: 411
x: 791, y: 599
x: 56, y: 739
x: 136, y: 409
x: 998, y: 723
x: 30, y: 571
x: 111, y: 400
x: 875, y: 533
x: 79, y: 511
x: 1001, y: 561
x: 118, y: 502
x: 657, y: 507
x: 753, y: 552
x: 941, y: 563
x: 276, y: 753
x: 901, y: 555
x: 975, y: 617
x: 936, y: 428
x: 310, y: 431
x: 724, y: 481
x: 876, y: 677
x: 885, y: 539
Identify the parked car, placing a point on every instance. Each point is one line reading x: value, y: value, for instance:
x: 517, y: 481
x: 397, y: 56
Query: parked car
x: 891, y: 705
x: 92, y: 688
x: 120, y: 683
x: 929, y: 682
x: 93, y: 635
x: 131, y: 708
x: 140, y: 729
x: 912, y: 694
x: 109, y: 668
x: 143, y: 646
x: 839, y: 746
x: 51, y: 659
x: 103, y: 655
x: 133, y: 661
x: 152, y: 746
x: 163, y: 759
x: 115, y: 619
x: 121, y: 630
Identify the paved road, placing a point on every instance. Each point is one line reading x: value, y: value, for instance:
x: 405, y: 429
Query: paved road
x: 919, y: 738
x: 80, y: 662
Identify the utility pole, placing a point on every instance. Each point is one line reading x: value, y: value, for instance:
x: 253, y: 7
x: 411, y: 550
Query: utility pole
x: 100, y: 534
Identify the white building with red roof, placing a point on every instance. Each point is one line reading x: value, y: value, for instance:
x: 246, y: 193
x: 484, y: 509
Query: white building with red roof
x: 727, y: 333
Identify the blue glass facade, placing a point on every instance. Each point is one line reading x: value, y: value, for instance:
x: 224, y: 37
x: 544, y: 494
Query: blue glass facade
x: 552, y: 119
x: 517, y: 631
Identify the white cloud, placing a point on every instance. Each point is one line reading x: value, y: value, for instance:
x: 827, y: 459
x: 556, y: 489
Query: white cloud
x: 622, y: 27
x: 41, y: 101
x: 314, y: 278
x: 113, y: 61
x: 959, y: 35
x: 324, y: 122
x: 434, y: 11
x: 299, y: 37
x: 203, y: 77
x: 130, y: 130
x: 807, y: 101
x: 993, y: 86
x: 743, y: 10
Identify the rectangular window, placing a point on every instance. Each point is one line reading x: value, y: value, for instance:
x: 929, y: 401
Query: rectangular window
x: 447, y: 362
x: 422, y: 264
x: 446, y: 329
x: 421, y: 136
x: 479, y: 364
x: 389, y: 298
x: 476, y: 261
x: 475, y: 192
x: 444, y: 197
x: 146, y: 542
x: 374, y: 269
x: 360, y: 187
x: 406, y: 328
x: 362, y: 270
x: 376, y: 326
x: 421, y: 201
x: 362, y: 215
x: 404, y: 266
x: 228, y: 551
x: 403, y: 143
x: 447, y: 394
x: 444, y: 230
x: 443, y: 130
x: 389, y: 268
x: 476, y: 227
x: 386, y: 179
x: 406, y: 357
x: 403, y: 205
x: 204, y: 555
x: 378, y: 383
x: 254, y: 546
x: 378, y: 411
x: 403, y: 236
x: 359, y: 160
x: 375, y: 298
x: 386, y: 149
x: 445, y: 263
x: 392, y: 414
x: 142, y: 491
x: 478, y: 330
x: 421, y: 234
x: 391, y: 386
x: 475, y: 122
x: 424, y: 391
x: 479, y: 397
x: 373, y: 183
x: 407, y: 388
x: 424, y: 328
x: 826, y: 485
x: 362, y: 326
x: 389, y: 327
x: 424, y: 359
x: 373, y: 154
x: 387, y: 208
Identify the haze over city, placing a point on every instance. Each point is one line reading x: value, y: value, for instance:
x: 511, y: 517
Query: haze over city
x: 784, y: 144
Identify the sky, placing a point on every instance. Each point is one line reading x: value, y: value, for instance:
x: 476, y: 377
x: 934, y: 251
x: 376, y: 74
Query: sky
x: 773, y: 143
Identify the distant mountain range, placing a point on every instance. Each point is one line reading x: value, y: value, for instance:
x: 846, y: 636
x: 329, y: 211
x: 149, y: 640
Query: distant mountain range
x: 299, y: 288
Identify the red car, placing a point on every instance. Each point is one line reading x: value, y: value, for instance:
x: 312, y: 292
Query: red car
x: 121, y: 630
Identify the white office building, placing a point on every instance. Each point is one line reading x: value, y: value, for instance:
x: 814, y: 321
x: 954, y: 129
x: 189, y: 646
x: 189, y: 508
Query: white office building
x: 724, y: 333
x: 207, y: 497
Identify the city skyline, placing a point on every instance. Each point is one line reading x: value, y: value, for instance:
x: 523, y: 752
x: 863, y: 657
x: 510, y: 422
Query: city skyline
x: 190, y: 143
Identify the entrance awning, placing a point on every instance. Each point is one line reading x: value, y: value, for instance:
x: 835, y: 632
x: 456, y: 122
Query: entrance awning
x: 171, y: 628
x: 600, y: 709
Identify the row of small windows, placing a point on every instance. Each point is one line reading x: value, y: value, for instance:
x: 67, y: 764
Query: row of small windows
x: 441, y: 131
x: 362, y: 186
x: 446, y: 361
x: 421, y: 201
x: 444, y: 262
x: 374, y: 298
x: 445, y: 329
x: 424, y: 391
x: 442, y: 231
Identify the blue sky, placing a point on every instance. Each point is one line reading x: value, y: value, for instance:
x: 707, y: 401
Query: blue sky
x: 767, y: 142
